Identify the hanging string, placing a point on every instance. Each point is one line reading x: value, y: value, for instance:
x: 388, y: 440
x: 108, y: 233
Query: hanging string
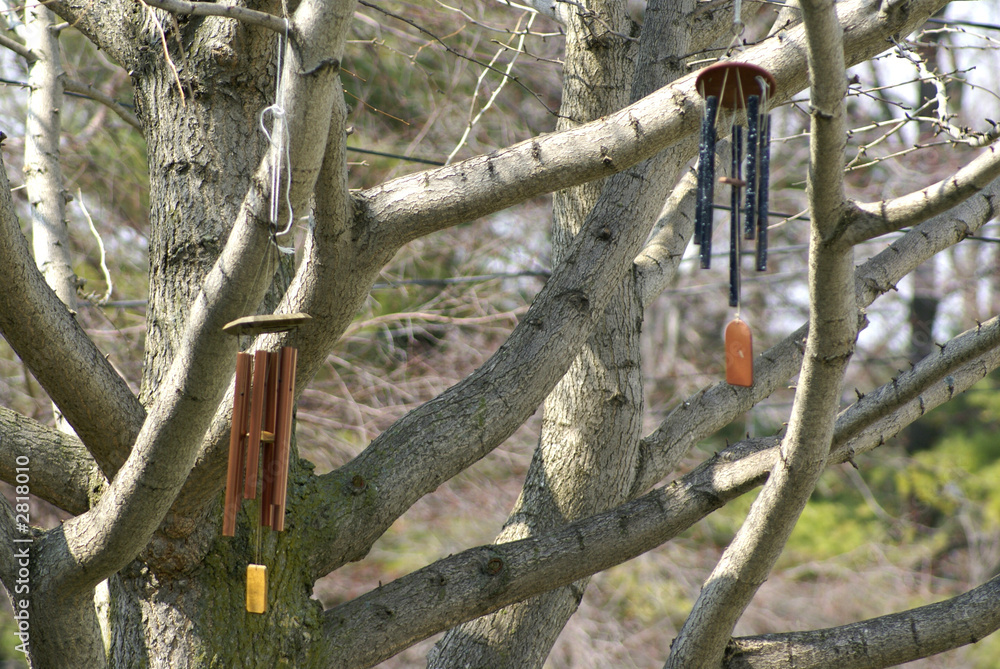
x: 278, y: 138
x: 257, y: 531
x: 737, y: 23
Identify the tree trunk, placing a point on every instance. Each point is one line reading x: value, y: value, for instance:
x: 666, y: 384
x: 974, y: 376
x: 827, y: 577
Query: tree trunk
x: 199, y: 618
x: 203, y: 147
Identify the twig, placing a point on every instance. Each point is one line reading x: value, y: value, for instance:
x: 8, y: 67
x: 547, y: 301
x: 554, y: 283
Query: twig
x: 452, y: 51
x: 73, y: 85
x: 489, y: 103
x: 166, y: 54
x: 88, y: 91
x: 18, y: 48
x: 100, y: 244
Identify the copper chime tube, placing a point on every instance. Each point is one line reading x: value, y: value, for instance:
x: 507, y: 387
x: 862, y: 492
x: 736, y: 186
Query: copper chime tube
x: 237, y: 434
x: 262, y: 414
x: 283, y: 435
x: 270, y: 418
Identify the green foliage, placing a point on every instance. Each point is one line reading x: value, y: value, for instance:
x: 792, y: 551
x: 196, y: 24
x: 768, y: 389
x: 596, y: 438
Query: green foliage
x: 10, y: 658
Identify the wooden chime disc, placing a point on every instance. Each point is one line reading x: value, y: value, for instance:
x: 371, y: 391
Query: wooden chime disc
x: 739, y: 354
x: 733, y: 83
x: 254, y: 325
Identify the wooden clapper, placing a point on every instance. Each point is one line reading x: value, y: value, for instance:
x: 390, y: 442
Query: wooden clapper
x: 263, y: 400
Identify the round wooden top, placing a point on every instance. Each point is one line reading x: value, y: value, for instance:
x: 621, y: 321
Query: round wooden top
x: 734, y: 82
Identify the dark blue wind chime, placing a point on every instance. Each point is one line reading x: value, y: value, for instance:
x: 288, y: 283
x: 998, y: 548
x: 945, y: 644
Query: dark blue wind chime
x: 745, y: 90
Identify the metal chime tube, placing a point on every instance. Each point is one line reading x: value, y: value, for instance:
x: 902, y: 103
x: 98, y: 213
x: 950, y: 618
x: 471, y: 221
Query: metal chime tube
x: 706, y: 181
x: 753, y: 143
x: 762, y: 194
x: 734, y: 217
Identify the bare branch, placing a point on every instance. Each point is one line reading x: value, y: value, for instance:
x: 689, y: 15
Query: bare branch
x: 71, y: 85
x: 656, y: 266
x: 885, y: 641
x: 418, y: 204
x: 251, y: 16
x: 42, y: 170
x: 81, y: 88
x: 18, y: 48
x: 879, y: 403
x: 873, y: 219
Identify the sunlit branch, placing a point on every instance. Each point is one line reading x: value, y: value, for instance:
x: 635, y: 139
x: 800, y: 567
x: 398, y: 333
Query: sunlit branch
x: 873, y: 219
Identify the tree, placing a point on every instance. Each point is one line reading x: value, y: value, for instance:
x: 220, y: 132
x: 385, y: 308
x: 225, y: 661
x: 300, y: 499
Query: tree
x: 138, y: 574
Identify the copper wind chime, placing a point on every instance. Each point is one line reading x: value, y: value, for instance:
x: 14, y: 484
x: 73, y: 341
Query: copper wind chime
x: 746, y: 90
x: 260, y: 438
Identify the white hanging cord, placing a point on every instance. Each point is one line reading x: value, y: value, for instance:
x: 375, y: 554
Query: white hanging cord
x: 737, y: 23
x: 278, y: 138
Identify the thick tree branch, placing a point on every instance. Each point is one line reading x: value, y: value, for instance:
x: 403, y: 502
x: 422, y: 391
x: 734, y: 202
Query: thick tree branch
x: 874, y: 219
x: 418, y: 204
x: 656, y: 266
x: 62, y: 471
x: 93, y: 398
x: 244, y: 14
x: 487, y: 578
x: 886, y: 641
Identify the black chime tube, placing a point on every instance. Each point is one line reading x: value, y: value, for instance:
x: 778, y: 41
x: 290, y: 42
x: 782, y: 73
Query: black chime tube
x: 734, y: 220
x: 753, y: 143
x: 706, y: 181
x: 762, y: 194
